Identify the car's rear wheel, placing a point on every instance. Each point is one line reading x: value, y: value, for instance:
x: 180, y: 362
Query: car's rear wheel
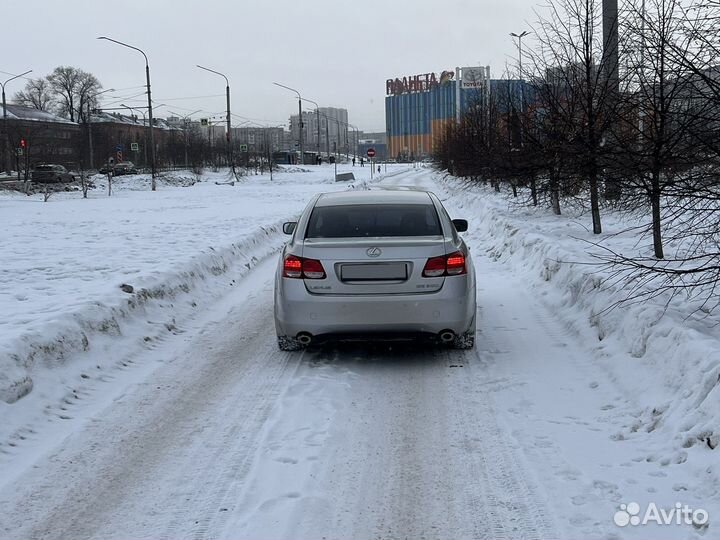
x: 466, y: 340
x: 286, y: 343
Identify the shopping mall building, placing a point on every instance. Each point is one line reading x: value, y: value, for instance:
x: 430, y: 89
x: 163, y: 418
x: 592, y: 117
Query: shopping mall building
x: 418, y: 108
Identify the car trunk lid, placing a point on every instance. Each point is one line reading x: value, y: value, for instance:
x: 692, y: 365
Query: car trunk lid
x: 366, y: 266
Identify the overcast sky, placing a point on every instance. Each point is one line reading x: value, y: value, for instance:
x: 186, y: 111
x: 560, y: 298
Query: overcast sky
x: 336, y: 52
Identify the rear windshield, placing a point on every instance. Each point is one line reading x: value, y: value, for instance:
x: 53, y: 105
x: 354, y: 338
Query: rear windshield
x: 354, y: 221
x: 45, y: 168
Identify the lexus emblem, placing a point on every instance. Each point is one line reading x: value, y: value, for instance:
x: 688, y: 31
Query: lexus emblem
x: 374, y: 252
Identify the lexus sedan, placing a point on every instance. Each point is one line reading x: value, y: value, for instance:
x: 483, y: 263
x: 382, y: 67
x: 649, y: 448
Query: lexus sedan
x: 375, y: 265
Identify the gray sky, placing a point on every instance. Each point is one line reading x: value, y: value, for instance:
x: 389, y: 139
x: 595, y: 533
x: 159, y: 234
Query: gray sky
x: 336, y: 52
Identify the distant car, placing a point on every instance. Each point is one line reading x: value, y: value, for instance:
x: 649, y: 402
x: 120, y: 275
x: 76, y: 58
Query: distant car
x: 48, y: 173
x: 124, y: 167
x: 375, y: 264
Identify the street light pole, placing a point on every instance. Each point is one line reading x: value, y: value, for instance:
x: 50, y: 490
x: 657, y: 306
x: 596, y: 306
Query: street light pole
x: 4, y: 106
x: 300, y: 120
x: 317, y: 116
x: 227, y: 96
x: 520, y: 59
x: 150, y: 114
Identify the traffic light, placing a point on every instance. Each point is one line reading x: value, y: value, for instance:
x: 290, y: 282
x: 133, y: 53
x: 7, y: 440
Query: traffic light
x: 23, y: 143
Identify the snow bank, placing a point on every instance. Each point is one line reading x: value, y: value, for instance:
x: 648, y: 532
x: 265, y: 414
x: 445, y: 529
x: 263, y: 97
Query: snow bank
x: 669, y: 351
x: 65, y: 260
x: 77, y: 331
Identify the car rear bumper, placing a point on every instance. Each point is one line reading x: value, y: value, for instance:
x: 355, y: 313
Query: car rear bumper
x: 450, y: 308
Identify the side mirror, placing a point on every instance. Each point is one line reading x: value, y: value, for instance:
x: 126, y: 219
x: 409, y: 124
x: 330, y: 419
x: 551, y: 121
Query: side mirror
x: 289, y: 227
x: 461, y: 225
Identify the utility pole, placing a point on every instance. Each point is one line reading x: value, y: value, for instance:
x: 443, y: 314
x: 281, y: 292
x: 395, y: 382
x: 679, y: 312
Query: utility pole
x: 300, y: 120
x: 150, y: 114
x: 520, y: 66
x: 227, y: 97
x: 6, y: 139
x: 317, y: 117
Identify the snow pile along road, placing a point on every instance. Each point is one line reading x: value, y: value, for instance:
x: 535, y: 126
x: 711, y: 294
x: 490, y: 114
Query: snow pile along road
x: 67, y: 263
x: 670, y: 351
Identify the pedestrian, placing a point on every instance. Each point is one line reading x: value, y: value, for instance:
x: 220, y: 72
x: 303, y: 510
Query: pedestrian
x: 378, y: 169
x: 353, y: 161
x: 362, y: 162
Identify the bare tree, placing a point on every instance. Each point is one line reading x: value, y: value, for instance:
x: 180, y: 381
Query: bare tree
x: 576, y: 86
x: 72, y: 88
x: 37, y: 94
x: 656, y: 47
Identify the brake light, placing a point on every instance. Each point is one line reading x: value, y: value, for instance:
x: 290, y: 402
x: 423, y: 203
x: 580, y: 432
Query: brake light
x: 449, y: 265
x: 456, y: 264
x: 292, y: 267
x: 299, y: 268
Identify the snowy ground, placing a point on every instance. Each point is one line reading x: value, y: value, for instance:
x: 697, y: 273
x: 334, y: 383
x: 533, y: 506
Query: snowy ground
x: 179, y: 418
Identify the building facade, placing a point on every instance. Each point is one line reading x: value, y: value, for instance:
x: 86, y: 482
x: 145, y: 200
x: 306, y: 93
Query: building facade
x: 419, y: 109
x: 30, y: 136
x: 326, y: 129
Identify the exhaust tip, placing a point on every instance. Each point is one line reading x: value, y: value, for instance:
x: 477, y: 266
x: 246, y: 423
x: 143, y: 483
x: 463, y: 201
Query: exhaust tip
x: 305, y: 338
x: 446, y: 336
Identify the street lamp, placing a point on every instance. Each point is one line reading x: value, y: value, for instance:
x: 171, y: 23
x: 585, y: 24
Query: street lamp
x: 317, y: 117
x: 144, y: 124
x: 356, y: 138
x: 227, y: 95
x: 522, y: 85
x: 300, y: 121
x: 7, y: 142
x: 150, y: 116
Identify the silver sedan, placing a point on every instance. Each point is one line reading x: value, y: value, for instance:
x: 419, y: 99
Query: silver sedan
x: 375, y: 265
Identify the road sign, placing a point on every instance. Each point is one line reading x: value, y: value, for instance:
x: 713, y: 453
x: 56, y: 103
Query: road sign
x: 111, y: 161
x: 119, y: 148
x: 135, y: 147
x: 203, y: 121
x: 371, y: 152
x: 243, y: 147
x: 19, y: 151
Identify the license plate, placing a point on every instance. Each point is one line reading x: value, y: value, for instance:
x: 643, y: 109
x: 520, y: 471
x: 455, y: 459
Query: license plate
x: 373, y: 271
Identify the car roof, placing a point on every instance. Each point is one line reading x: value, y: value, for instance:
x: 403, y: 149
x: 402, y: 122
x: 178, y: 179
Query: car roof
x: 379, y: 196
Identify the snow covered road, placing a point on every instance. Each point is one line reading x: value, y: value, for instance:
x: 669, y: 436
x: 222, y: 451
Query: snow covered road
x: 223, y: 436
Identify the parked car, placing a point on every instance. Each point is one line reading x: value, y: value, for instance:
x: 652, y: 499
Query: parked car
x: 124, y: 167
x: 47, y: 173
x: 118, y: 169
x: 375, y: 264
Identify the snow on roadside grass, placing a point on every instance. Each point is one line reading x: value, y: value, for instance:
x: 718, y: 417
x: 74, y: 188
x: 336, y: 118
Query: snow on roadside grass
x: 670, y: 352
x: 65, y: 260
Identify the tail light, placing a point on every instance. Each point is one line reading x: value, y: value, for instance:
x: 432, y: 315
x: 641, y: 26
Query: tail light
x: 312, y: 269
x: 300, y: 268
x: 448, y: 265
x: 456, y: 264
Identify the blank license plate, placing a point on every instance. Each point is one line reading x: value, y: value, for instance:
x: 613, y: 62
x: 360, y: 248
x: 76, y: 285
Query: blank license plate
x: 373, y: 272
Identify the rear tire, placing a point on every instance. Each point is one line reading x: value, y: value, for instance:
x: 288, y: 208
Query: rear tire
x: 466, y: 340
x: 286, y: 343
